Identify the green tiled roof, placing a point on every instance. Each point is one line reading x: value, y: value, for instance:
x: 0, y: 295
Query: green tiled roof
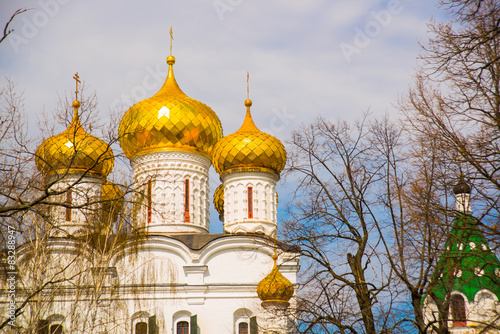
x: 467, y: 264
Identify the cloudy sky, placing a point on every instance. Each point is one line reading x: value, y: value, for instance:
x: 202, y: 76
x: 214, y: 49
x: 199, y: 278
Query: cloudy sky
x: 335, y: 58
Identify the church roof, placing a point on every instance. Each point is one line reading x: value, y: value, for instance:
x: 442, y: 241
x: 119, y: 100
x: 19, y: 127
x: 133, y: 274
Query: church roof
x: 169, y: 121
x: 467, y: 264
x: 197, y: 241
x: 249, y: 149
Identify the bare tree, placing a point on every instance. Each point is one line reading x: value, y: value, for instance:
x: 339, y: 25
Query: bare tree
x: 372, y: 215
x: 452, y: 112
x: 7, y: 30
x: 31, y: 230
x: 334, y: 219
x: 455, y: 98
x: 416, y: 178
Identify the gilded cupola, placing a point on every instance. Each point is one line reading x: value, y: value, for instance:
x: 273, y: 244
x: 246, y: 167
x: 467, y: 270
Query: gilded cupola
x: 74, y: 151
x: 275, y: 287
x: 219, y: 200
x: 112, y: 201
x: 249, y: 149
x: 169, y: 121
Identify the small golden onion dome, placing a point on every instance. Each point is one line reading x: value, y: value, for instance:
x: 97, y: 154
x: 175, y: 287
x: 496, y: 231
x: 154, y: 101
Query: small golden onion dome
x: 275, y: 287
x: 219, y: 200
x: 74, y: 151
x: 169, y: 121
x: 249, y: 149
x: 112, y: 201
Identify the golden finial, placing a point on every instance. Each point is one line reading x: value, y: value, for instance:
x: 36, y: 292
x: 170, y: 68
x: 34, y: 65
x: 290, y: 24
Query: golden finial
x: 76, y: 103
x: 171, y: 59
x: 460, y: 174
x: 90, y: 127
x: 171, y: 39
x: 248, y: 102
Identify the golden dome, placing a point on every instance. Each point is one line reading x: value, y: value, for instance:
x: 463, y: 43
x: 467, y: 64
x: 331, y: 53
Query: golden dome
x: 275, y: 287
x: 249, y: 149
x: 169, y: 121
x: 219, y: 200
x: 112, y: 201
x: 74, y: 151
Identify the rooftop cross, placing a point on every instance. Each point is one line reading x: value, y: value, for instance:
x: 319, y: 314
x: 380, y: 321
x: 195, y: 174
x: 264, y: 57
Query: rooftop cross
x: 171, y: 39
x: 77, y: 79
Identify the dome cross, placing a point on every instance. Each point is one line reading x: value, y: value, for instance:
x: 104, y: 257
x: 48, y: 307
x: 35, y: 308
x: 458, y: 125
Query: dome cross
x: 77, y: 81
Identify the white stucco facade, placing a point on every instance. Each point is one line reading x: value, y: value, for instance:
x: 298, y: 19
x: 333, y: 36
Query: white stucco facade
x: 263, y: 207
x: 168, y: 177
x: 171, y: 278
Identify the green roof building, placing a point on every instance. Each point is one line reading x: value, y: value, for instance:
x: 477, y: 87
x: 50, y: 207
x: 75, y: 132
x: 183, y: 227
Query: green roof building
x: 469, y: 274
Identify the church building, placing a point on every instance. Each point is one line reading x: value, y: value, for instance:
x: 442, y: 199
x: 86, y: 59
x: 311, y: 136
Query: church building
x: 469, y: 275
x: 167, y: 273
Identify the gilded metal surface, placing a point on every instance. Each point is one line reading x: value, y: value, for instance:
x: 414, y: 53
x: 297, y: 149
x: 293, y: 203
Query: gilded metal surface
x: 167, y: 121
x: 74, y: 151
x: 219, y: 199
x: 249, y: 148
x: 112, y: 201
x: 275, y: 287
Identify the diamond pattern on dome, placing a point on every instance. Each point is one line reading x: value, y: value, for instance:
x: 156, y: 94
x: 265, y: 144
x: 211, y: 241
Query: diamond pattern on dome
x: 219, y: 199
x: 249, y: 147
x: 275, y: 287
x: 191, y: 125
x: 86, y: 153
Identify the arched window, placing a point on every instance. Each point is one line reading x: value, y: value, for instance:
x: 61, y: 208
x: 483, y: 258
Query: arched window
x: 69, y: 200
x: 250, y: 202
x: 56, y: 329
x: 187, y: 219
x: 458, y: 311
x: 182, y: 327
x: 150, y: 201
x: 141, y: 328
x: 243, y: 328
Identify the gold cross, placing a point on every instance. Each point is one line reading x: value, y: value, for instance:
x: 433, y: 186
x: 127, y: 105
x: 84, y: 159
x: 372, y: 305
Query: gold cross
x: 77, y: 79
x: 248, y: 85
x: 171, y: 39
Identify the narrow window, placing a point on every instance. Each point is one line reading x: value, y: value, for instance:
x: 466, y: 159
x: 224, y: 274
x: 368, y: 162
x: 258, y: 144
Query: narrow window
x: 458, y: 311
x: 150, y: 203
x: 187, y: 219
x: 243, y: 328
x: 182, y: 327
x: 250, y: 202
x: 141, y: 328
x: 69, y: 202
x: 42, y: 327
x: 56, y: 329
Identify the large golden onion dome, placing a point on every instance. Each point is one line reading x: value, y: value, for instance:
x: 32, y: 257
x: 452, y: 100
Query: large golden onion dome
x: 169, y: 121
x: 275, y: 287
x: 74, y: 151
x: 249, y: 149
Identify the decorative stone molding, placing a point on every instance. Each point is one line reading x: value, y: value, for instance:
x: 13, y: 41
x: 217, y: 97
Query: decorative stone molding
x: 164, y: 175
x: 260, y: 216
x: 80, y: 204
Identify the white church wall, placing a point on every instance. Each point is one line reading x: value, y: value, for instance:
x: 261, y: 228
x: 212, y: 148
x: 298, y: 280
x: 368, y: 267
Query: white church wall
x: 167, y: 173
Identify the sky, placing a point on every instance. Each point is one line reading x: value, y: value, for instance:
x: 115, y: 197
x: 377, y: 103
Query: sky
x: 333, y: 58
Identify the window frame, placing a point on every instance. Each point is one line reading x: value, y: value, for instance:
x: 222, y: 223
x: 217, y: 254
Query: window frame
x: 141, y: 321
x: 69, y: 204
x: 187, y: 218
x: 56, y: 328
x: 182, y: 321
x: 149, y: 205
x: 240, y: 329
x: 250, y: 202
x: 458, y: 310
